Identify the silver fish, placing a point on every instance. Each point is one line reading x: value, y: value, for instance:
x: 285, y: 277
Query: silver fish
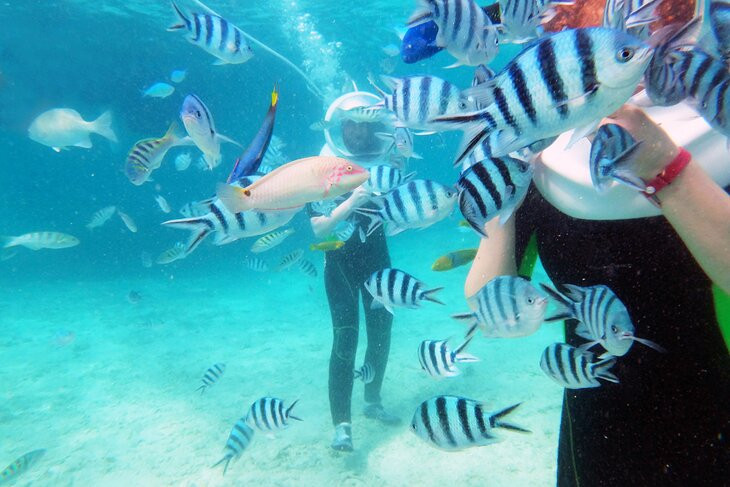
x: 611, y: 149
x: 270, y: 240
x: 394, y: 288
x: 239, y: 439
x: 41, y: 240
x: 128, y: 221
x: 200, y: 127
x: 101, y: 217
x: 573, y: 368
x: 438, y: 360
x: 385, y: 178
x: 290, y: 259
x: 268, y: 414
x: 177, y: 252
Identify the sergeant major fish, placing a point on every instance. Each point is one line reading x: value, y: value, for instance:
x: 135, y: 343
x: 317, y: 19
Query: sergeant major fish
x: 366, y: 373
x: 255, y: 264
x: 438, y: 360
x: 394, y: 288
x: 268, y: 414
x: 521, y: 19
x: 573, y: 368
x: 199, y: 124
x: 238, y: 440
x: 176, y: 252
x: 611, y: 150
x: 384, y: 178
x: 211, y: 376
x: 307, y: 267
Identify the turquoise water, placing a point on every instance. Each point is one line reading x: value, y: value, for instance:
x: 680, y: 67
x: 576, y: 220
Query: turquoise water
x: 107, y: 385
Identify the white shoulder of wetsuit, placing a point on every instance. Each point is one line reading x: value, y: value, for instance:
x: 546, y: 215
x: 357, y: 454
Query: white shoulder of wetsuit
x: 563, y: 176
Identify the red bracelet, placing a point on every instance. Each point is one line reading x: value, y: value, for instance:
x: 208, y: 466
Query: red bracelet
x: 669, y: 174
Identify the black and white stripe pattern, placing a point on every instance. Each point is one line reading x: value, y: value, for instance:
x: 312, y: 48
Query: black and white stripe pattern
x: 255, y: 264
x: 239, y: 439
x: 720, y: 24
x: 553, y: 85
x: 611, y: 148
x: 395, y: 288
x: 307, y: 267
x: 384, y: 178
x: 632, y: 16
x: 211, y: 376
x: 573, y: 368
x: 416, y: 204
x: 290, y: 259
x: 268, y: 414
x: 366, y: 373
x: 507, y: 307
x: 438, y: 360
x: 521, y: 18
x: 214, y: 35
x: 455, y: 423
x: 492, y: 187
x: 270, y: 240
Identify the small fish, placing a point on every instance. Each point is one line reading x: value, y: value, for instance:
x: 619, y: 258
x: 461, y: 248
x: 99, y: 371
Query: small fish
x: 268, y: 414
x: 482, y: 74
x: 385, y: 178
x: 324, y: 207
x: 162, y: 203
x: 391, y: 50
x: 419, y: 42
x: 507, y: 307
x: 464, y: 29
x: 366, y: 373
x: 215, y: 35
x: 438, y: 360
x: 493, y: 187
x: 134, y: 297
x: 573, y: 368
x: 720, y: 24
x: 416, y: 204
x: 101, y: 217
x: 42, y: 240
x: 327, y: 245
x: 611, y: 149
x: 270, y: 240
x: 603, y: 318
x: 521, y: 19
x: 255, y: 264
x: 147, y: 154
x: 344, y: 230
x: 295, y: 184
x: 211, y: 376
x: 60, y: 128
x: 454, y: 423
x: 172, y: 254
x: 402, y: 140
x: 320, y: 125
x: 631, y: 16
x: 364, y: 114
x: 20, y: 466
x: 200, y: 127
x: 159, y: 90
x: 392, y: 287
x: 454, y: 259
x: 178, y: 75
x: 307, y: 267
x: 128, y: 221
x: 182, y: 161
x: 289, y: 259
x: 239, y: 439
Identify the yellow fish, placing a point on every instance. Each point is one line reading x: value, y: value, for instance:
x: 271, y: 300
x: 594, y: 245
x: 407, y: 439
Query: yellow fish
x: 327, y: 246
x: 455, y: 259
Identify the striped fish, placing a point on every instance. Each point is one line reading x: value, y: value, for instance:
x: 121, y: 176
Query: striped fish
x: 344, y: 230
x: 393, y: 287
x: 215, y: 35
x: 401, y: 140
x: 493, y: 187
x: 290, y: 259
x: 385, y: 178
x: 438, y: 360
x: 270, y: 240
x: 611, y: 150
x: 573, y: 368
x: 229, y: 227
x: 416, y: 204
x: 417, y: 99
x: 41, y: 240
x: 720, y: 24
x: 200, y: 127
x: 147, y: 155
x: 507, y: 307
x: 324, y: 207
x: 308, y: 268
x: 367, y: 114
x: 255, y: 264
x: 101, y: 217
x: 176, y: 252
x: 20, y: 466
x: 128, y: 221
x: 268, y: 414
x: 521, y: 19
x: 603, y: 318
x: 632, y: 16
x: 366, y: 373
x: 464, y: 29
x: 211, y: 376
x: 455, y: 423
x: 239, y: 439
x: 555, y: 84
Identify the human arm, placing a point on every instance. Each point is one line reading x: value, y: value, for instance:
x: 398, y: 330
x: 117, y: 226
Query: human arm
x: 324, y: 225
x: 495, y: 256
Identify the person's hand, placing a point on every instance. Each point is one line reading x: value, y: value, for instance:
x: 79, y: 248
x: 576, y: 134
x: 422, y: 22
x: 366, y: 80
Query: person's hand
x: 359, y: 197
x: 656, y: 150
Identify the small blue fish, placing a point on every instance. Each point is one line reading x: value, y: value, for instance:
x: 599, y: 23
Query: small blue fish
x: 159, y: 90
x: 178, y: 75
x: 20, y: 466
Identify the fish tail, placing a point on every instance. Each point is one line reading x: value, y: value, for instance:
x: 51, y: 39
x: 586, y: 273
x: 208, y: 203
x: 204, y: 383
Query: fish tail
x: 427, y: 295
x: 8, y: 242
x: 201, y: 389
x: 289, y: 414
x: 621, y: 172
x: 564, y: 304
x: 496, y: 419
x: 172, y: 133
x: 356, y: 374
x: 234, y: 198
x: 459, y: 356
x: 181, y: 16
x: 275, y: 96
x: 227, y: 458
x: 600, y: 370
x: 103, y: 126
x: 200, y: 226
x: 374, y: 216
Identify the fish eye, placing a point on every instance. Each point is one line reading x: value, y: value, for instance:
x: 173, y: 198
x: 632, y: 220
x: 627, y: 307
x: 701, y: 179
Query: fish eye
x: 625, y: 54
x: 348, y: 168
x: 198, y: 114
x: 614, y: 329
x: 530, y: 300
x: 462, y: 105
x: 449, y: 194
x: 496, y: 41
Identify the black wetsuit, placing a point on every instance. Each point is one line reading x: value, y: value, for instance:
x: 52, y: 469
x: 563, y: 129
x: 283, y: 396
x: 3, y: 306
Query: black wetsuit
x: 345, y: 273
x: 667, y: 422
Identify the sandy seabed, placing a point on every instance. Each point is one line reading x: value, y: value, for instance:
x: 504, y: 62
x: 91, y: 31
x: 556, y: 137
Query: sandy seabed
x: 116, y: 404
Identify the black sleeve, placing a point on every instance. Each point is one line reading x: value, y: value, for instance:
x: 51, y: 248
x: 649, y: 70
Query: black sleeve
x: 527, y: 218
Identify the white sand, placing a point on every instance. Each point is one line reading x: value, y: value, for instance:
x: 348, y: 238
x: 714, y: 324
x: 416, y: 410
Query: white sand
x: 118, y: 405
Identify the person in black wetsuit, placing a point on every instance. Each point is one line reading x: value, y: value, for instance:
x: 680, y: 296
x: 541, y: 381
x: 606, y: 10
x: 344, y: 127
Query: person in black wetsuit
x: 667, y: 422
x: 345, y: 273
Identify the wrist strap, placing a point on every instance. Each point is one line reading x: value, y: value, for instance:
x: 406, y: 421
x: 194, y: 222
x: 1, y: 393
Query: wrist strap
x: 669, y: 174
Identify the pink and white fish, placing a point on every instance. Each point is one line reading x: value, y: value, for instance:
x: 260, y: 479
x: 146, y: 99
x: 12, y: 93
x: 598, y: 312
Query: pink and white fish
x: 295, y: 184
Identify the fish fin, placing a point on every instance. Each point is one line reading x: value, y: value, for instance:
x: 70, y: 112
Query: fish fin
x: 427, y: 295
x: 581, y: 132
x: 84, y: 144
x: 389, y: 81
x: 226, y: 459
x: 182, y: 25
x: 504, y: 141
x: 454, y: 65
x: 375, y: 219
x: 473, y: 136
x: 234, y: 198
x: 618, y: 170
x: 409, y: 176
x: 103, y: 126
x: 361, y: 234
x: 650, y: 344
x: 465, y: 317
x: 466, y: 357
x: 223, y: 138
x: 384, y: 136
x: 496, y: 419
x: 575, y: 293
x: 219, y: 62
x: 483, y: 93
x: 472, y: 218
x: 591, y: 344
x: 600, y: 370
x: 643, y: 15
x: 424, y: 132
x: 415, y: 155
x: 197, y: 226
x: 564, y: 310
x: 288, y: 410
x: 9, y: 242
x: 376, y: 304
x: 422, y: 15
x: 377, y: 88
x: 57, y: 149
x: 507, y: 210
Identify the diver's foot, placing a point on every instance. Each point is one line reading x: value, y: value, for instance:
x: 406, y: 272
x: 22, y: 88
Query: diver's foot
x: 376, y: 411
x: 343, y: 437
